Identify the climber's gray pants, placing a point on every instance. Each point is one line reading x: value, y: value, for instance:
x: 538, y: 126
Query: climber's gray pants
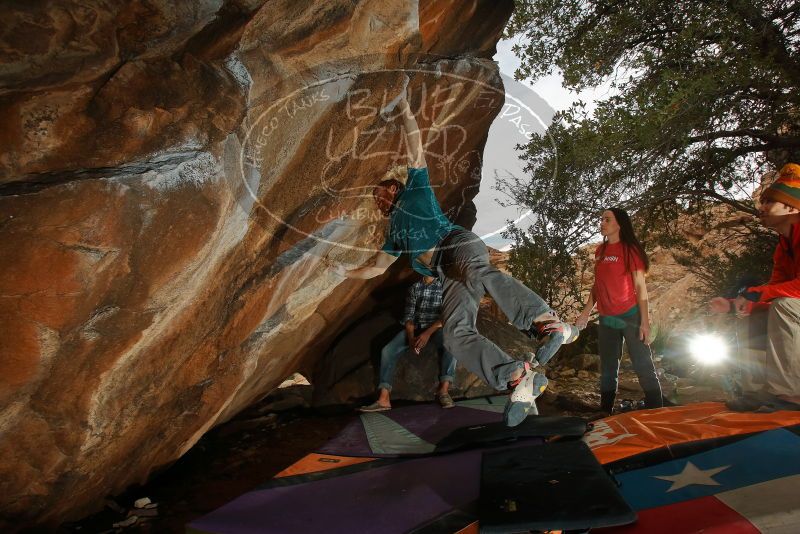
x: 462, y: 262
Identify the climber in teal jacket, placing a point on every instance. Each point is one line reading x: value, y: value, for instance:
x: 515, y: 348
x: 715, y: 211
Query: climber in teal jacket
x: 437, y: 247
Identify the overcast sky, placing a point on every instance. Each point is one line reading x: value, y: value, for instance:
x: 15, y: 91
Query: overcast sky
x: 526, y: 104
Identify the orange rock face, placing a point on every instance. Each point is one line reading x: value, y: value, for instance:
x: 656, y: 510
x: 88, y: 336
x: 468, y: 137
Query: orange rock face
x: 176, y: 180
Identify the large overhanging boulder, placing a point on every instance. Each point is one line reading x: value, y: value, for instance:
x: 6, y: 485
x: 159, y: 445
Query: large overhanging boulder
x: 176, y: 179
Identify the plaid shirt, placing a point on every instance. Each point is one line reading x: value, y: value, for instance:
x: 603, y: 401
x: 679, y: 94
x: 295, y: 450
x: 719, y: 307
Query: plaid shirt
x: 423, y: 303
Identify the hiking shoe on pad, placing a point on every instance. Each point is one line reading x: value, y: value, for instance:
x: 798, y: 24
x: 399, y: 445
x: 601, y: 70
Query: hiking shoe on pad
x: 445, y: 400
x: 375, y: 407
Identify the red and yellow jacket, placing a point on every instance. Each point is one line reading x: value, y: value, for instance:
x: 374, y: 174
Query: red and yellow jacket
x: 785, y: 279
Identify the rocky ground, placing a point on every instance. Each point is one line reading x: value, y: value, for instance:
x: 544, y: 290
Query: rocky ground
x: 573, y: 384
x: 271, y: 435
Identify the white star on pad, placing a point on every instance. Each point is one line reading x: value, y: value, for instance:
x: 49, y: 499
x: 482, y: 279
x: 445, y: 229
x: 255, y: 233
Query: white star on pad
x: 692, y: 475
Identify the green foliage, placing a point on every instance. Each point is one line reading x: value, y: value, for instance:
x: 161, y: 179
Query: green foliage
x: 748, y: 263
x: 700, y: 94
x: 701, y: 99
x: 547, y: 261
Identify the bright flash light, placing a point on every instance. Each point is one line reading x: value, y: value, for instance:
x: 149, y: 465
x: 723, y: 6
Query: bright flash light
x: 708, y: 348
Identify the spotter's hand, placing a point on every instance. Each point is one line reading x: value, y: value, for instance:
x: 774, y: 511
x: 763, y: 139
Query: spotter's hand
x: 743, y: 306
x: 719, y: 305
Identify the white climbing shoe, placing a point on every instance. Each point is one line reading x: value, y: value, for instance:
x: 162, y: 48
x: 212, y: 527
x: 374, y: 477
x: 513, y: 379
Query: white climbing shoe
x: 522, y: 401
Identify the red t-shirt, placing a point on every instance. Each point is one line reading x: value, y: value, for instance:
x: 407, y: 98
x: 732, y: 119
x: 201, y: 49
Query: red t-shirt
x: 613, y: 289
x: 785, y: 279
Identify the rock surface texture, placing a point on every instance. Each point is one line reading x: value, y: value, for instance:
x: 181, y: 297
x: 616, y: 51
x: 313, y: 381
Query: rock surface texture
x: 176, y: 178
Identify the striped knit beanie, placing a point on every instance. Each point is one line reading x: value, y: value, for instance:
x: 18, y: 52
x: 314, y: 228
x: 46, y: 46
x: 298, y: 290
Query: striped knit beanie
x: 786, y: 188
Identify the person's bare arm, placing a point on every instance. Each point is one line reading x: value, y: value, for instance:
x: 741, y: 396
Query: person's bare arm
x: 381, y: 262
x: 434, y: 327
x: 583, y: 318
x: 416, y: 152
x: 410, y: 339
x: 719, y: 305
x: 423, y: 339
x: 641, y: 298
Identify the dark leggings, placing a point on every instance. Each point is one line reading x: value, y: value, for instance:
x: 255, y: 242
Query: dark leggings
x: 609, y: 341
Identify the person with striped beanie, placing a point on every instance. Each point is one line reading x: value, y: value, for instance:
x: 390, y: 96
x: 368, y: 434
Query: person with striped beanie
x: 769, y: 314
x: 786, y: 188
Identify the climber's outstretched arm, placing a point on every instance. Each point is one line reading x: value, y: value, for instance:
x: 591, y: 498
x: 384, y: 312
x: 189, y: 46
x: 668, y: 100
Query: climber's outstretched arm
x: 381, y: 262
x: 416, y: 153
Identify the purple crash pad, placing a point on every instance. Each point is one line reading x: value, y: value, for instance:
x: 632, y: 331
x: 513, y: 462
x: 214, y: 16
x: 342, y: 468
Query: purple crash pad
x: 392, y: 498
x: 428, y: 421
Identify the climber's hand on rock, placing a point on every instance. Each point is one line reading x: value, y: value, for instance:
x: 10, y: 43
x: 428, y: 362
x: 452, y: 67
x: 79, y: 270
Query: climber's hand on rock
x: 339, y: 270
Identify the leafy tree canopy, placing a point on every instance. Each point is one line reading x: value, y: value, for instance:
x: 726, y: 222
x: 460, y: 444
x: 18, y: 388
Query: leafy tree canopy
x: 704, y: 97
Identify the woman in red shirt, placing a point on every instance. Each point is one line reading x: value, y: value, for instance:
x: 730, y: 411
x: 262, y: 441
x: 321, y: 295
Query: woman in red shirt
x: 620, y: 294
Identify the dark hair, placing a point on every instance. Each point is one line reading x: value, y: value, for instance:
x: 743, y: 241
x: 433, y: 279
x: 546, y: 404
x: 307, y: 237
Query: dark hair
x: 392, y: 182
x: 628, y: 238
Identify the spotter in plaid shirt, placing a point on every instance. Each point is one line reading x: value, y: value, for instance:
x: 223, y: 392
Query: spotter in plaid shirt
x: 423, y: 303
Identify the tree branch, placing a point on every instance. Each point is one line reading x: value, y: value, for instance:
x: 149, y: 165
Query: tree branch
x: 777, y: 140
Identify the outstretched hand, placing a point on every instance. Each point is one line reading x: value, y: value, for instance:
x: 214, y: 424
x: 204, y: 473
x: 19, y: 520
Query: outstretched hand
x: 743, y: 306
x: 719, y: 305
x: 398, y: 102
